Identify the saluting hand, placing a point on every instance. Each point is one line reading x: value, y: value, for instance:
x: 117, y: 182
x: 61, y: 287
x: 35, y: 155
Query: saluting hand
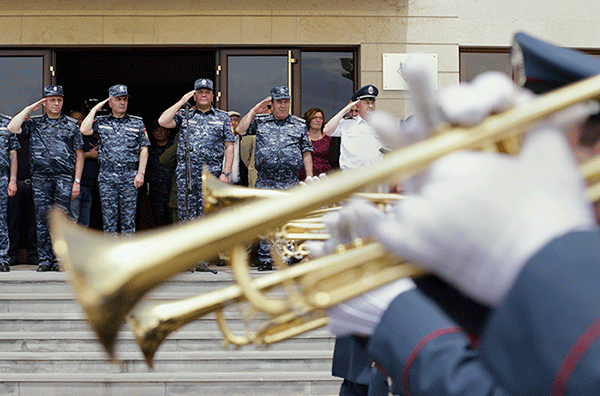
x: 262, y: 106
x: 37, y: 105
x: 100, y: 104
x: 187, y: 97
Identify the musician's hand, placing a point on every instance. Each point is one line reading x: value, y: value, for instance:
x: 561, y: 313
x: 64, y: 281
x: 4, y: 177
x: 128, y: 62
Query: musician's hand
x: 361, y: 314
x: 480, y: 216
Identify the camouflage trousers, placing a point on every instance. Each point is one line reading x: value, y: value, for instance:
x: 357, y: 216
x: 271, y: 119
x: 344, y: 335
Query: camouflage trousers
x: 49, y: 191
x: 194, y: 199
x: 118, y: 198
x: 4, y: 241
x: 272, y: 182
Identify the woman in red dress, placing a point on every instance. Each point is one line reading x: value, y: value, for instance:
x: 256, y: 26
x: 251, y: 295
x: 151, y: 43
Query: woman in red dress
x: 315, y: 121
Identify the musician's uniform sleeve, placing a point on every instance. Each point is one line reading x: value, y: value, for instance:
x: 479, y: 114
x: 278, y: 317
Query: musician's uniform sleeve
x: 426, y: 353
x: 543, y: 338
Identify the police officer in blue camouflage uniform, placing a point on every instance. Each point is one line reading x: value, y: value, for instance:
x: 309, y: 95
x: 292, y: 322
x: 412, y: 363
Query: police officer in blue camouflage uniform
x: 8, y: 185
x: 282, y: 148
x: 210, y: 140
x: 56, y: 151
x: 122, y: 155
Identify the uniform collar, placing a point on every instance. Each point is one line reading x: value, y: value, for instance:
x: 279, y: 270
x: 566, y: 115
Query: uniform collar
x: 60, y: 117
x: 124, y: 118
x: 359, y: 119
x: 209, y: 111
x: 286, y: 119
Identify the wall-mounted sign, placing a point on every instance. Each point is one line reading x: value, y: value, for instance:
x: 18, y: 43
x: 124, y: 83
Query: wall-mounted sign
x: 394, y: 65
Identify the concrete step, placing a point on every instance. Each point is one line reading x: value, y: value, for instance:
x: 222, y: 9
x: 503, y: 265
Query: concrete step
x: 48, y: 283
x: 46, y: 348
x: 181, y: 341
x: 173, y: 362
x: 58, y: 321
x: 163, y: 384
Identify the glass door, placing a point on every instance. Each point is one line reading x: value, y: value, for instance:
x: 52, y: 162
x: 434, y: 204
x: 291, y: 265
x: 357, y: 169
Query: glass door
x: 24, y: 75
x: 247, y: 76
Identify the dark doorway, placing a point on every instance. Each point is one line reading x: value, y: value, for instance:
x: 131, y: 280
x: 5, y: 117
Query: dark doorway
x: 156, y: 79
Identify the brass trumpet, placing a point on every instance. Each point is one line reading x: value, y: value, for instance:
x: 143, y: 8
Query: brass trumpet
x: 111, y: 275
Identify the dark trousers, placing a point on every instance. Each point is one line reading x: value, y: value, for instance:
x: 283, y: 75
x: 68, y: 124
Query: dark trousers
x: 21, y: 220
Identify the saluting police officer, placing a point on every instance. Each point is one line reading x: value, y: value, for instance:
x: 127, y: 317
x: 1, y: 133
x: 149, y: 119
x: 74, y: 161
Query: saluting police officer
x: 8, y: 185
x: 282, y: 148
x: 56, y: 149
x: 211, y: 144
x: 122, y: 155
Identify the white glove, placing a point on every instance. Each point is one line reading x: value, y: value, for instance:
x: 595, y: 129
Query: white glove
x: 480, y: 216
x: 361, y: 314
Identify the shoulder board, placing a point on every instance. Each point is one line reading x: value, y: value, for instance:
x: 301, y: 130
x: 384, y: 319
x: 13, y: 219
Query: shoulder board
x: 261, y: 115
x: 136, y: 117
x: 219, y: 110
x: 102, y: 116
x: 71, y: 119
x: 36, y: 116
x: 300, y: 119
x: 5, y: 116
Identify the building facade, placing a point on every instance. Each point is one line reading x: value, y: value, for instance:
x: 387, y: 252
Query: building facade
x: 160, y: 47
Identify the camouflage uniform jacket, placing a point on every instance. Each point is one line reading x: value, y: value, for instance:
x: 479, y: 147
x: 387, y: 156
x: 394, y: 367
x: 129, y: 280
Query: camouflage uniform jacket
x: 53, y: 144
x: 8, y: 142
x: 208, y: 133
x: 120, y: 142
x: 279, y: 143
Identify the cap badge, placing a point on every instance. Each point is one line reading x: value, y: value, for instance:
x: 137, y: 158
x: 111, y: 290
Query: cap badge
x: 203, y: 82
x: 55, y: 89
x: 121, y: 88
x: 370, y: 90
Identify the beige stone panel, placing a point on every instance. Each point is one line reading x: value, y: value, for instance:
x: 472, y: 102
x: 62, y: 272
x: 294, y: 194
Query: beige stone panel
x: 582, y: 34
x: 131, y: 30
x: 128, y: 7
x: 371, y: 77
x: 447, y: 79
x: 432, y: 30
x: 525, y: 11
x: 391, y: 30
x: 10, y: 30
x: 398, y: 107
x: 436, y: 8
x: 372, y: 54
x: 256, y: 30
x: 335, y: 30
x: 252, y: 7
x: 284, y: 30
x: 198, y: 30
x: 497, y: 33
x: 342, y: 8
x: 62, y: 30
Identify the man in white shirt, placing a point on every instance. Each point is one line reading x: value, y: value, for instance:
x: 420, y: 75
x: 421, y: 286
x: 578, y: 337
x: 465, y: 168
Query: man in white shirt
x: 360, y: 145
